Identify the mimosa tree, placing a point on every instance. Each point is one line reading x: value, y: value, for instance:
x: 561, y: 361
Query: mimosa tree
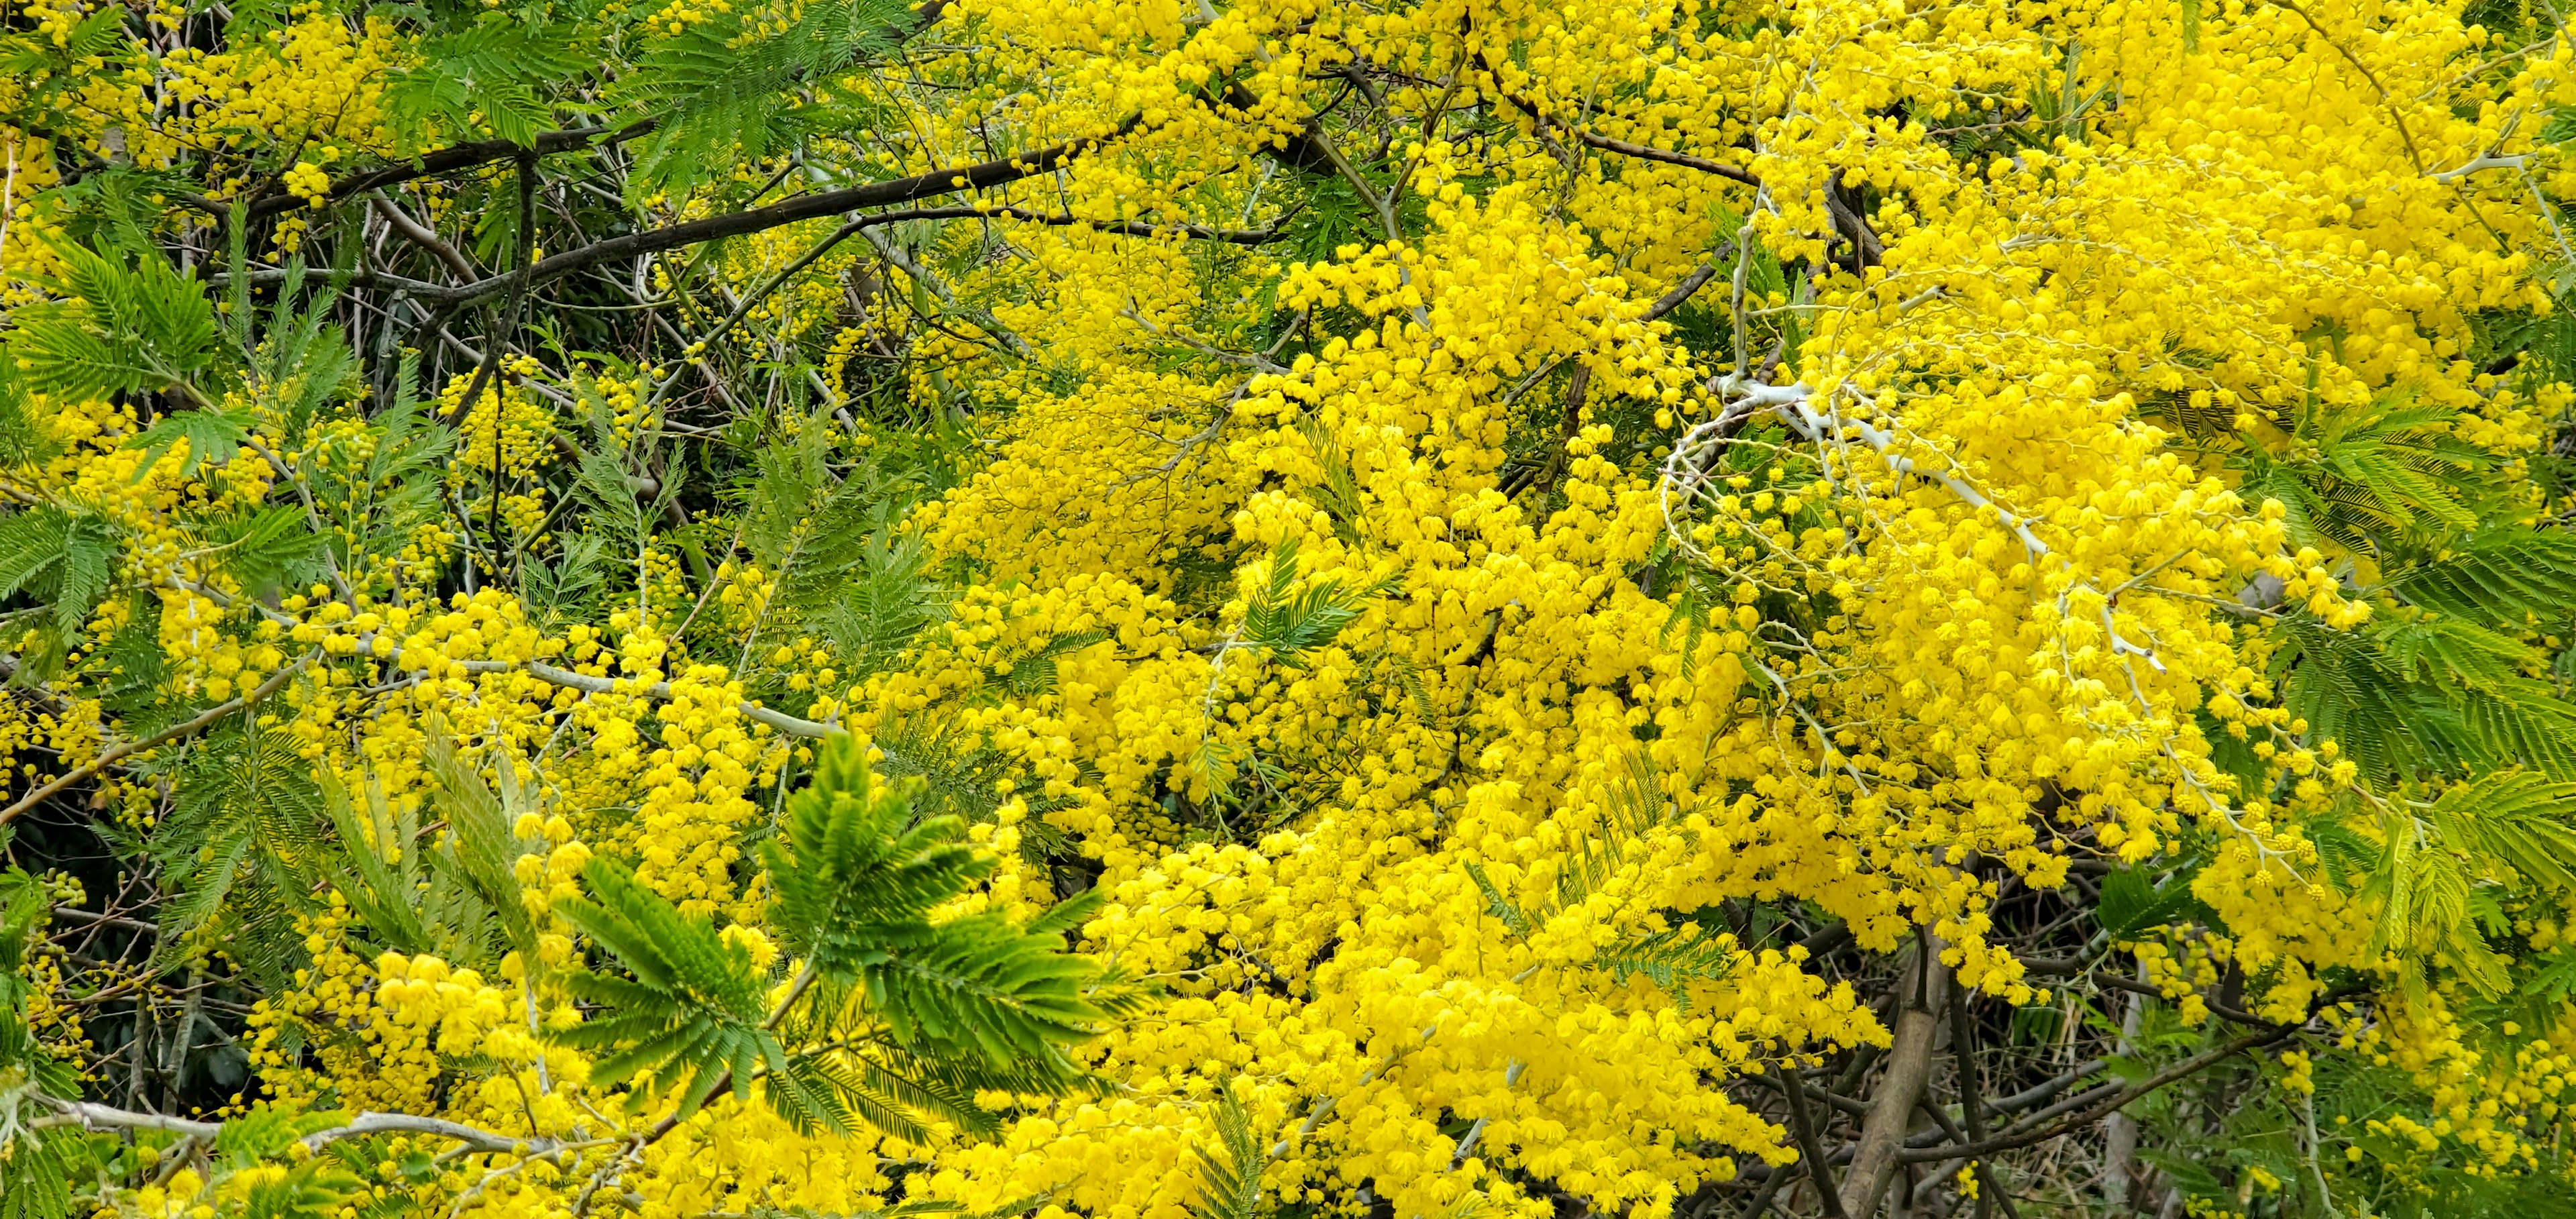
x: 726, y: 608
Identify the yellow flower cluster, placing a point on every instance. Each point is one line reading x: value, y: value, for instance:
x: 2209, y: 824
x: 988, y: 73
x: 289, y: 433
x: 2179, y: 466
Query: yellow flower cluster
x: 505, y: 436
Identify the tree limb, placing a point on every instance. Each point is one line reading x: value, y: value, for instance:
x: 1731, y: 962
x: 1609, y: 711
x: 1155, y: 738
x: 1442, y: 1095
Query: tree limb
x: 422, y: 235
x: 92, y: 1115
x: 981, y: 176
x: 1909, y: 1067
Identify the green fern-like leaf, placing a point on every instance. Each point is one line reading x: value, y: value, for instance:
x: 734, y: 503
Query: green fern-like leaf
x: 1289, y: 624
x: 2365, y: 481
x: 242, y: 840
x: 725, y: 85
x: 2524, y: 821
x: 122, y: 329
x: 2346, y: 691
x: 688, y: 1016
x: 497, y: 70
x: 211, y: 435
x: 2500, y: 578
x: 1230, y: 1173
x: 856, y: 879
x: 37, y: 1166
x: 1671, y: 959
x: 60, y: 556
x: 1498, y: 904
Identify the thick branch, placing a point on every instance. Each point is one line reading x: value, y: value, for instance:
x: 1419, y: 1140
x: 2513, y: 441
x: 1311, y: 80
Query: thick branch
x: 422, y: 235
x: 1690, y: 284
x: 1646, y: 153
x: 1909, y: 1067
x: 78, y: 915
x: 403, y: 1123
x: 584, y: 682
x: 1809, y: 1149
x: 461, y: 156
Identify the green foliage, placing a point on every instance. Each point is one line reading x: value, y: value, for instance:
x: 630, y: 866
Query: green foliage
x: 846, y: 568
x: 2363, y: 480
x: 496, y: 70
x: 245, y: 812
x: 2423, y: 697
x: 50, y: 73
x: 2133, y: 903
x: 2518, y: 820
x: 856, y: 880
x: 2501, y: 578
x: 1671, y: 959
x: 723, y: 87
x: 1683, y: 950
x: 2434, y: 869
x: 414, y: 896
x: 1290, y: 624
x: 62, y: 557
x: 893, y: 1019
x: 956, y: 772
x: 482, y: 844
x: 120, y: 329
x: 262, y: 547
x: 688, y: 1015
x: 1230, y: 1173
x: 37, y: 1165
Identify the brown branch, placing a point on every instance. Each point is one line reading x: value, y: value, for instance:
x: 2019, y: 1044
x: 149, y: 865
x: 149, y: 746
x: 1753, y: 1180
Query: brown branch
x: 1804, y: 1128
x: 483, y: 152
x: 1559, y: 456
x: 461, y: 156
x: 78, y: 915
x: 1867, y: 250
x: 1963, y: 1043
x: 1580, y: 384
x: 2387, y: 101
x: 1690, y: 284
x: 1645, y: 152
x: 1909, y: 1068
x: 1605, y: 143
x: 2022, y: 1135
x: 422, y: 235
x: 981, y: 176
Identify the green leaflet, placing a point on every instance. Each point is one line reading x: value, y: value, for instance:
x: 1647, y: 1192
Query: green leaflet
x: 1230, y: 1173
x: 893, y: 1020
x: 496, y: 70
x: 1672, y: 956
x: 856, y: 880
x: 123, y: 328
x: 724, y: 87
x: 1288, y: 623
x: 63, y: 557
x: 2498, y: 577
x: 2368, y: 480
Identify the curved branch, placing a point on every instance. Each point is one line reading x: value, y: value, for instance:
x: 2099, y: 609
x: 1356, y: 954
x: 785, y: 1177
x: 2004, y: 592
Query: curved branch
x: 92, y: 1115
x: 980, y: 176
x: 462, y: 156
